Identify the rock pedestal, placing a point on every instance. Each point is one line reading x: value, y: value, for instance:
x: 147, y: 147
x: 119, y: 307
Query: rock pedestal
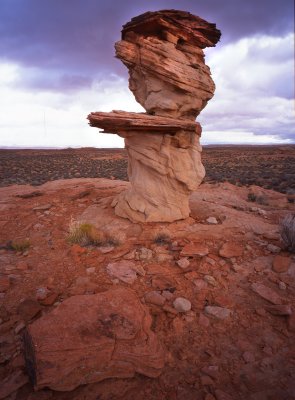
x: 168, y: 77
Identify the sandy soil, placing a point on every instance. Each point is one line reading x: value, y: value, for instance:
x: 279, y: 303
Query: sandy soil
x: 247, y: 355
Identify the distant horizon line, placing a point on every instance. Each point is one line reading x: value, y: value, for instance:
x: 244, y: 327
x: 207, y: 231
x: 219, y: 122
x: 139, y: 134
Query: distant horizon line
x: 120, y: 148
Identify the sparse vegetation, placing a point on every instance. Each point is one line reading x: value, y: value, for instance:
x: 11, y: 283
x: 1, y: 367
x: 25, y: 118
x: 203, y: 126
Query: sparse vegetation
x: 288, y: 231
x: 85, y: 234
x: 20, y: 245
x: 161, y: 238
x: 262, y: 200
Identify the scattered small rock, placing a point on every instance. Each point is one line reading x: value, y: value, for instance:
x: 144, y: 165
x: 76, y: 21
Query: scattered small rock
x: 266, y: 293
x: 282, y: 285
x: 183, y: 262
x: 90, y: 270
x: 169, y: 309
x: 281, y: 264
x: 231, y: 249
x: 206, y: 380
x: 211, y: 280
x: 194, y: 249
x: 167, y: 294
x: 155, y: 297
x: 28, y: 309
x: 42, y: 293
x: 49, y: 300
x: 106, y: 249
x: 19, y: 327
x: 143, y: 254
x: 43, y: 208
x: 272, y: 248
x: 281, y: 309
x: 182, y: 305
x: 124, y: 270
x: 218, y: 312
x: 212, y: 220
x: 211, y: 370
x: 200, y: 284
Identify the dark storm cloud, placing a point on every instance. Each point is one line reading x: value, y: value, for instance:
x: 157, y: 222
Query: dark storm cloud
x: 75, y: 38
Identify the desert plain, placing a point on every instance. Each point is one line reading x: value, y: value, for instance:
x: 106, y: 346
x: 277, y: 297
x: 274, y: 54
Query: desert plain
x: 233, y: 337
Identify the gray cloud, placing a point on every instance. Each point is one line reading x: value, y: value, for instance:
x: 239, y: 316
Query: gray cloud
x: 76, y: 37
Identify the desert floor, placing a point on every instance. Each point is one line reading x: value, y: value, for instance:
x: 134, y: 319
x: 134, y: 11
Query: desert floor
x: 236, y: 342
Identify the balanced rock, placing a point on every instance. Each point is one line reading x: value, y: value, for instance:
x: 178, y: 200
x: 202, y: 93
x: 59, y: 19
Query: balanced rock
x: 89, y: 338
x: 163, y: 52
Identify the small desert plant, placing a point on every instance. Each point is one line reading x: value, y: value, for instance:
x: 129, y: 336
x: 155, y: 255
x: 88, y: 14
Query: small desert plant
x: 111, y: 240
x: 20, y: 245
x: 262, y: 200
x: 161, y: 238
x: 251, y: 197
x: 288, y: 231
x: 85, y: 234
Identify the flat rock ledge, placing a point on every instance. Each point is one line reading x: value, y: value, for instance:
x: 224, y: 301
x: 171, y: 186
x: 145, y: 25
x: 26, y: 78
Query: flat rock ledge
x: 90, y: 338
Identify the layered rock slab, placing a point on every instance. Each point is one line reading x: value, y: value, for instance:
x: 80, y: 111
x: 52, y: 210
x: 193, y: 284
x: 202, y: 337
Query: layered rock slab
x: 163, y: 52
x: 89, y: 338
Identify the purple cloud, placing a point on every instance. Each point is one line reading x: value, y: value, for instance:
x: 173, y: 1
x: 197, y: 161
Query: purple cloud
x: 77, y: 37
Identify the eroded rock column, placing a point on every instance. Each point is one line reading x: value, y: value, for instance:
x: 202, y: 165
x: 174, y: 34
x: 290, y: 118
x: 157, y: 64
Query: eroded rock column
x: 163, y: 52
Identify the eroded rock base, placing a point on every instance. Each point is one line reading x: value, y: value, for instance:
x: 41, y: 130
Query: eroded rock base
x: 163, y: 170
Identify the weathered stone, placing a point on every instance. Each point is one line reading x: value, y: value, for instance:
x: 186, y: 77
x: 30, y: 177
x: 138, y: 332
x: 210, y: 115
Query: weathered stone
x: 181, y: 304
x: 124, y: 270
x: 281, y: 263
x: 281, y: 309
x: 212, y: 220
x: 168, y: 76
x: 218, y: 312
x: 28, y: 309
x: 183, y: 262
x: 195, y: 249
x: 154, y: 298
x: 266, y: 293
x: 231, y: 249
x: 90, y: 338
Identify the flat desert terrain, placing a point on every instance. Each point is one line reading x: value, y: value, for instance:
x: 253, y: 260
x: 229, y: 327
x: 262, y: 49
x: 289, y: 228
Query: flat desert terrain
x: 272, y: 167
x: 214, y: 294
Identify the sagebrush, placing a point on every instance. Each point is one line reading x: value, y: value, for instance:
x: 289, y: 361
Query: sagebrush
x: 288, y: 231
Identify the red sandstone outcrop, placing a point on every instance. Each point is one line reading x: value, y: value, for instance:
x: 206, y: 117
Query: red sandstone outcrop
x: 89, y: 338
x: 163, y: 52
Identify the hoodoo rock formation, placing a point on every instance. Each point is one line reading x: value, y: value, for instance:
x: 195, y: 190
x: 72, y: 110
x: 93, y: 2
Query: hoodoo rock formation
x: 163, y: 52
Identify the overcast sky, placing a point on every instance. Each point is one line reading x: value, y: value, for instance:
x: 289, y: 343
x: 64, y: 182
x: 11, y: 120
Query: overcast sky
x: 57, y: 65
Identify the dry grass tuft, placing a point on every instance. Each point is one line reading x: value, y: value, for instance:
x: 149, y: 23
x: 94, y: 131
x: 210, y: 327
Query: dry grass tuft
x: 162, y: 238
x: 85, y: 234
x: 288, y: 231
x: 20, y: 245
